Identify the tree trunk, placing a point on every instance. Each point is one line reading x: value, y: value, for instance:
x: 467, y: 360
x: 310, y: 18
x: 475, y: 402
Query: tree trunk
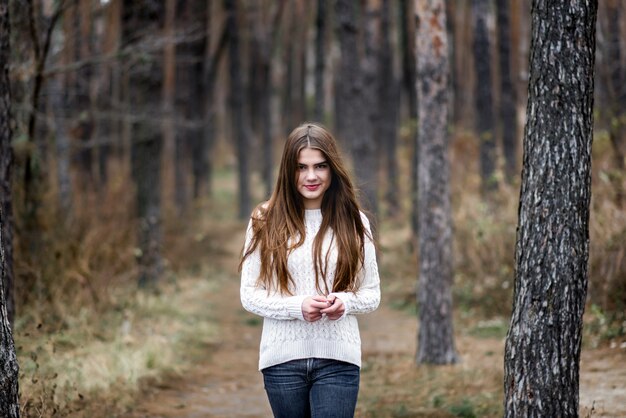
x: 59, y: 103
x: 9, y: 370
x: 435, y: 337
x: 508, y: 118
x: 616, y: 92
x: 83, y: 124
x: 388, y: 103
x: 356, y: 91
x: 191, y: 44
x: 209, y: 77
x: 139, y: 19
x: 320, y: 59
x: 407, y: 42
x: 542, y: 352
x: 484, y: 96
x: 236, y: 102
x: 6, y: 164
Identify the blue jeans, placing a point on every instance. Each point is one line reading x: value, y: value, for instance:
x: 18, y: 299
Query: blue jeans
x: 313, y: 388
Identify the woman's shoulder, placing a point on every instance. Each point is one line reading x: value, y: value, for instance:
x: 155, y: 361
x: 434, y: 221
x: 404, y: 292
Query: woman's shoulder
x: 260, y: 211
x: 364, y: 218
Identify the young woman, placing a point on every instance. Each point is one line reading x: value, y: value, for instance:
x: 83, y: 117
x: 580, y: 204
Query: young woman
x: 308, y: 267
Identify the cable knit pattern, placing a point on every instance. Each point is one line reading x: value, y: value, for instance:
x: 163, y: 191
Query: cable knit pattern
x: 286, y: 335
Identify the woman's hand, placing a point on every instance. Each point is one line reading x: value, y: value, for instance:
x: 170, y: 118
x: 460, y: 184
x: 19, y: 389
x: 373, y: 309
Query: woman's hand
x: 312, y: 308
x: 335, y: 308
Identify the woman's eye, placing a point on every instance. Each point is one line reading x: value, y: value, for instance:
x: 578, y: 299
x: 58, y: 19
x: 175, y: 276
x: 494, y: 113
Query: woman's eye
x: 322, y: 166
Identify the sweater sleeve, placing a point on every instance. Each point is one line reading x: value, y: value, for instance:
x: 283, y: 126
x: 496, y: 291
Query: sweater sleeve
x: 256, y: 299
x: 367, y: 298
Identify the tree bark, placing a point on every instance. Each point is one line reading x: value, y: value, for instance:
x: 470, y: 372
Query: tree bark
x: 407, y: 42
x: 9, y: 370
x: 508, y: 119
x: 484, y: 97
x: 616, y: 96
x: 59, y: 103
x: 6, y: 163
x: 236, y: 102
x: 436, y: 335
x: 388, y: 103
x: 320, y: 59
x: 542, y: 352
x: 209, y: 77
x: 140, y: 20
x: 356, y: 90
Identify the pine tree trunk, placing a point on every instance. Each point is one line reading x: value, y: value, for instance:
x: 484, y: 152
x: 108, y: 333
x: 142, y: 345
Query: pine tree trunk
x: 320, y: 59
x: 209, y: 77
x: 83, y: 123
x: 59, y: 101
x: 484, y: 97
x: 388, y: 102
x: 237, y: 108
x: 9, y: 371
x: 357, y: 91
x: 616, y: 92
x: 508, y: 119
x: 543, y: 344
x: 140, y: 21
x: 407, y: 42
x: 436, y: 336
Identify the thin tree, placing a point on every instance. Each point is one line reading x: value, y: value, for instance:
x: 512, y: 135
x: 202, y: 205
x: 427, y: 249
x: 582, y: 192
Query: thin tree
x: 356, y: 91
x: 388, y: 102
x: 436, y: 335
x: 209, y: 78
x: 320, y: 59
x: 542, y: 353
x: 236, y: 105
x: 6, y: 164
x: 140, y: 20
x: 9, y: 370
x: 485, y: 121
x: 612, y: 77
x: 407, y: 42
x: 508, y: 119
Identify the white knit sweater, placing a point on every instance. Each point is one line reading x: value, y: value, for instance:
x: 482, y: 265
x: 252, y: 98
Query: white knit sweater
x: 286, y: 335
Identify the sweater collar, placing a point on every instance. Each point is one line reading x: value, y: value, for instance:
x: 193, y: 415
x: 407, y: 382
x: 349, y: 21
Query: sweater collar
x: 312, y: 214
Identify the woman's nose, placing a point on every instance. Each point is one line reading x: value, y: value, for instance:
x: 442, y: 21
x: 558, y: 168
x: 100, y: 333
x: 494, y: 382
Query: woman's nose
x: 310, y: 173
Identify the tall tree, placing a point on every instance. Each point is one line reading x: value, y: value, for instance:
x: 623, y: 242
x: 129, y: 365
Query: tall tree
x: 436, y: 335
x: 265, y: 21
x: 9, y: 371
x: 612, y: 77
x: 6, y: 164
x: 356, y: 91
x: 191, y: 35
x: 141, y: 19
x: 543, y: 343
x: 388, y: 103
x: 236, y: 105
x: 484, y: 97
x: 508, y: 101
x: 209, y: 77
x: 320, y: 58
x: 407, y: 42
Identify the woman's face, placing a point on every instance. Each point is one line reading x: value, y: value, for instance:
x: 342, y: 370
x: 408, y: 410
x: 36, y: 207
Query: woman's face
x: 313, y: 178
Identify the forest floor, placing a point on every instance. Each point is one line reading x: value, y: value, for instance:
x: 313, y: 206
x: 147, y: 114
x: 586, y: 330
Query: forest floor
x: 225, y: 382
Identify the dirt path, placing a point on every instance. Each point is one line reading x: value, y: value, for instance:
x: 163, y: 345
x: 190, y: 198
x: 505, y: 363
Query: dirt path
x: 228, y: 384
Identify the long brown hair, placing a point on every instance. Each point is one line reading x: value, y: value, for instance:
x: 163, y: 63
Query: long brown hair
x: 278, y: 224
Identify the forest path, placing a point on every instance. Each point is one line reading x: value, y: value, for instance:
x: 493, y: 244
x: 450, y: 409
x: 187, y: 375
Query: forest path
x: 228, y: 384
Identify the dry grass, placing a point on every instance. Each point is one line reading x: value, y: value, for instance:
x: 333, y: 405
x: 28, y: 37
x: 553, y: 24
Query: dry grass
x: 85, y: 335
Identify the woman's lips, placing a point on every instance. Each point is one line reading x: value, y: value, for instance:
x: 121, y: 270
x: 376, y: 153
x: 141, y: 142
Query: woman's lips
x: 312, y: 187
